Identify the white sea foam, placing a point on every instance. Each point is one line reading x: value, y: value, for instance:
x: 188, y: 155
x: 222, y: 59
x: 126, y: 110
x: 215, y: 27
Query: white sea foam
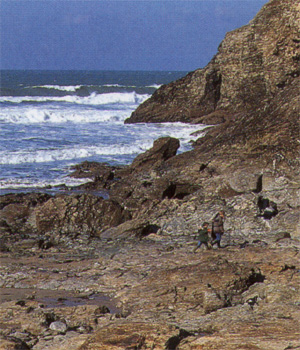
x: 129, y: 98
x: 145, y: 141
x: 43, y: 135
x: 115, y: 107
x: 34, y: 115
x: 71, y: 88
x: 113, y: 85
x: 154, y: 86
x: 118, y: 85
x: 51, y: 155
x: 14, y: 183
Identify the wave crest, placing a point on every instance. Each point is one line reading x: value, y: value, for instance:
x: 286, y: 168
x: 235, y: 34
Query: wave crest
x: 129, y: 98
x: 72, y: 153
x: 71, y: 88
x: 34, y: 115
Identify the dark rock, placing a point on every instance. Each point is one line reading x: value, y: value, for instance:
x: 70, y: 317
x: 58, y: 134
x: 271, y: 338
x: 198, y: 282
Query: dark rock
x: 31, y: 199
x: 244, y: 244
x: 102, y: 310
x: 163, y: 149
x: 268, y: 209
x: 179, y: 190
x: 278, y: 236
x: 3, y: 246
x: 243, y: 283
x: 50, y: 317
x: 16, y: 211
x: 148, y: 229
x: 21, y: 303
x: 288, y: 267
x: 45, y: 244
x: 93, y: 170
x: 174, y: 341
x: 13, y: 343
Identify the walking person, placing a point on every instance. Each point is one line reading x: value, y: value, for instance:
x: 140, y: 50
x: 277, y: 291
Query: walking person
x: 218, y: 228
x: 203, y: 237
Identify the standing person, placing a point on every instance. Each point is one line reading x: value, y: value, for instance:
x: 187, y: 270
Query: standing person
x: 218, y: 228
x: 203, y: 236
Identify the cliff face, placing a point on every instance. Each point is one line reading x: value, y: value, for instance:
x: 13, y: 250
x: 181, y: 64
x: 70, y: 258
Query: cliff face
x: 253, y: 64
x: 137, y: 245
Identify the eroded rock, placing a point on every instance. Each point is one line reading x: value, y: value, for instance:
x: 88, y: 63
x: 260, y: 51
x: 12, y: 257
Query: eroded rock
x: 242, y: 75
x: 163, y: 149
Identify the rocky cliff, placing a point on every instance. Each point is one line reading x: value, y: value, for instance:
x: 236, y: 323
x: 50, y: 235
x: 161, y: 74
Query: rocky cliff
x: 253, y: 64
x: 136, y: 244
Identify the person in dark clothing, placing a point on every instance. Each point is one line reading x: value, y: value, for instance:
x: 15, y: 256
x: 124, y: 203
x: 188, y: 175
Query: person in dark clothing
x: 203, y: 237
x: 217, y: 228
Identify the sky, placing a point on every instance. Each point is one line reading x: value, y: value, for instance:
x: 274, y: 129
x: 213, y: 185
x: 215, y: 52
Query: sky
x: 164, y: 35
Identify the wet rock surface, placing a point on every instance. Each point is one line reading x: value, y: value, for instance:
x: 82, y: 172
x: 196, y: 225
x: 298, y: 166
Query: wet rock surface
x: 111, y: 265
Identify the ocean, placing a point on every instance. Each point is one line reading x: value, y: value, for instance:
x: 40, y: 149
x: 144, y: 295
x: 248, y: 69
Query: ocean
x: 53, y: 120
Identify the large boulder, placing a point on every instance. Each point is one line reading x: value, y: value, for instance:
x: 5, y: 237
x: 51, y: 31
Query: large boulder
x: 163, y: 149
x: 71, y: 214
x: 16, y: 209
x: 79, y: 214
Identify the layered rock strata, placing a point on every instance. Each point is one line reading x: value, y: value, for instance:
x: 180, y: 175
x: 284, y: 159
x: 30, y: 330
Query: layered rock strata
x: 252, y: 65
x: 136, y: 245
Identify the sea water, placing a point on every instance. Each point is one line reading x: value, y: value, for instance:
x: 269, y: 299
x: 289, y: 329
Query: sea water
x: 52, y: 120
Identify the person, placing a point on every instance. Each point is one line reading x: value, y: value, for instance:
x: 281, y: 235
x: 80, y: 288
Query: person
x: 217, y: 228
x: 203, y: 236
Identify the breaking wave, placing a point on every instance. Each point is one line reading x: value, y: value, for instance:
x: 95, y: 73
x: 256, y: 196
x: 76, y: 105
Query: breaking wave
x: 75, y: 153
x: 154, y: 86
x: 33, y: 115
x: 13, y: 183
x: 50, y: 120
x: 74, y: 88
x: 129, y: 98
x: 70, y: 88
x: 52, y: 155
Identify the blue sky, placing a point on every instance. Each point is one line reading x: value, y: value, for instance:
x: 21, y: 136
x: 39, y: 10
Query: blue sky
x: 117, y: 34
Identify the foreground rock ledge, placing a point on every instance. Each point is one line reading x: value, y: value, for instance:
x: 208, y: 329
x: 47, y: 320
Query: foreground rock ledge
x: 167, y: 297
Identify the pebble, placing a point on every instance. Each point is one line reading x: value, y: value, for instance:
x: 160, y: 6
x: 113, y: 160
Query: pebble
x: 58, y: 326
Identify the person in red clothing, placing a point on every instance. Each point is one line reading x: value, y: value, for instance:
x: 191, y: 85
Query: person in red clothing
x: 218, y: 228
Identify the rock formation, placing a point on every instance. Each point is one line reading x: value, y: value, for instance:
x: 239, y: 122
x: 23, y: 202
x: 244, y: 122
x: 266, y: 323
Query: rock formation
x: 129, y: 233
x: 252, y: 65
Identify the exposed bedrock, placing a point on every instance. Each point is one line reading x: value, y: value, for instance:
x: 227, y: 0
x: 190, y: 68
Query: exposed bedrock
x: 43, y: 221
x: 136, y: 245
x: 174, y: 196
x: 242, y: 76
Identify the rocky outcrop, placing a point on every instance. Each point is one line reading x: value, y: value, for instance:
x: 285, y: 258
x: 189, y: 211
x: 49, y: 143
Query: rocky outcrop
x: 43, y: 219
x: 136, y: 245
x: 244, y: 75
x: 163, y: 149
x: 84, y: 214
x: 16, y: 209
